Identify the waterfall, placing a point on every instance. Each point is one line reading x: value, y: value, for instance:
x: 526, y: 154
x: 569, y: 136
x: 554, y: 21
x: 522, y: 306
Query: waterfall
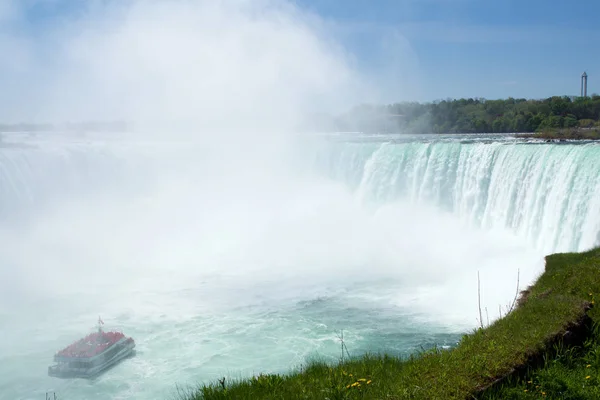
x: 548, y: 194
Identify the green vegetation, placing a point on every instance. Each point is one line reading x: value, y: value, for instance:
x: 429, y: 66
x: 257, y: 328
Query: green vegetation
x: 476, y: 116
x: 548, y: 346
x: 556, y: 117
x: 564, y: 372
x: 567, y: 373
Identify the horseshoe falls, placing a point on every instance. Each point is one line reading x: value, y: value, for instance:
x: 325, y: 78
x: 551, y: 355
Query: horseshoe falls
x: 233, y: 261
x: 549, y: 195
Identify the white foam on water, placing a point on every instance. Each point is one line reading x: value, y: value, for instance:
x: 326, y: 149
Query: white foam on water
x: 209, y: 235
x: 209, y: 274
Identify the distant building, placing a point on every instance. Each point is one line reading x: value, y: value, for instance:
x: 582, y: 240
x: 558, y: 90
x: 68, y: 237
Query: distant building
x: 584, y: 85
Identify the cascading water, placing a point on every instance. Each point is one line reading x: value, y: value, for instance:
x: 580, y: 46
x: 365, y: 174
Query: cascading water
x: 231, y: 265
x: 547, y: 194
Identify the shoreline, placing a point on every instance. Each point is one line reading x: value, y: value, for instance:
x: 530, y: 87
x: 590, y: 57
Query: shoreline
x: 564, y: 134
x: 552, y: 317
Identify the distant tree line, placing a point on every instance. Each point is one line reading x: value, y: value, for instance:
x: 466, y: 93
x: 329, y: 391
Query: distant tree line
x: 475, y: 115
x: 446, y: 116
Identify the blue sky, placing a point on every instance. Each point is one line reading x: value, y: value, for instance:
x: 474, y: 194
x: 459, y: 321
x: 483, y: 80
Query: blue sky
x: 470, y: 48
x: 412, y: 50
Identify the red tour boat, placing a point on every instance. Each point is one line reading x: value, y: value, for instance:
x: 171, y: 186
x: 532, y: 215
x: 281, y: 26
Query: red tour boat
x: 92, y: 354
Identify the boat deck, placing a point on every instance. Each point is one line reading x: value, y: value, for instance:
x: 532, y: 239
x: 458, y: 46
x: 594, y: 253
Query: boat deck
x: 91, y: 345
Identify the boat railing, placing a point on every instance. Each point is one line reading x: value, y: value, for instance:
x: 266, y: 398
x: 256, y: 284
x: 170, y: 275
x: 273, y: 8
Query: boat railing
x: 60, y: 367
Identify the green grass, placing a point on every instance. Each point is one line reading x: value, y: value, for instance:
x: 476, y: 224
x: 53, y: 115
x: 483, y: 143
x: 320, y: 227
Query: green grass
x: 566, y: 372
x: 534, y: 348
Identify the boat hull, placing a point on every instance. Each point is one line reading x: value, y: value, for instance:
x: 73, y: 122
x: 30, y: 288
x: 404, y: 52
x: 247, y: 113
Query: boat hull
x: 67, y: 370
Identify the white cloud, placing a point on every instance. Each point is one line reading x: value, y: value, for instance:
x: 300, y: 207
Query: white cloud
x: 451, y: 32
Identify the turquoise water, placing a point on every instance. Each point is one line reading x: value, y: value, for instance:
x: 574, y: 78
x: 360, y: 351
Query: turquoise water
x: 530, y: 188
x: 241, y: 261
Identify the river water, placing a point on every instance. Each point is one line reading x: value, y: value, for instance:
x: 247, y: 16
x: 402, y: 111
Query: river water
x: 236, y: 261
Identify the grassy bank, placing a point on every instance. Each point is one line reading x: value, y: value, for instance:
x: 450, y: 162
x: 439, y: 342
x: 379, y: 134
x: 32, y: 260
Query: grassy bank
x: 567, y: 370
x: 547, y: 347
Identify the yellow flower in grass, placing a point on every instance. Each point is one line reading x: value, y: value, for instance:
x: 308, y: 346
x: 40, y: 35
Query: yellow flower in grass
x: 588, y: 377
x: 589, y: 365
x: 369, y: 382
x: 362, y: 380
